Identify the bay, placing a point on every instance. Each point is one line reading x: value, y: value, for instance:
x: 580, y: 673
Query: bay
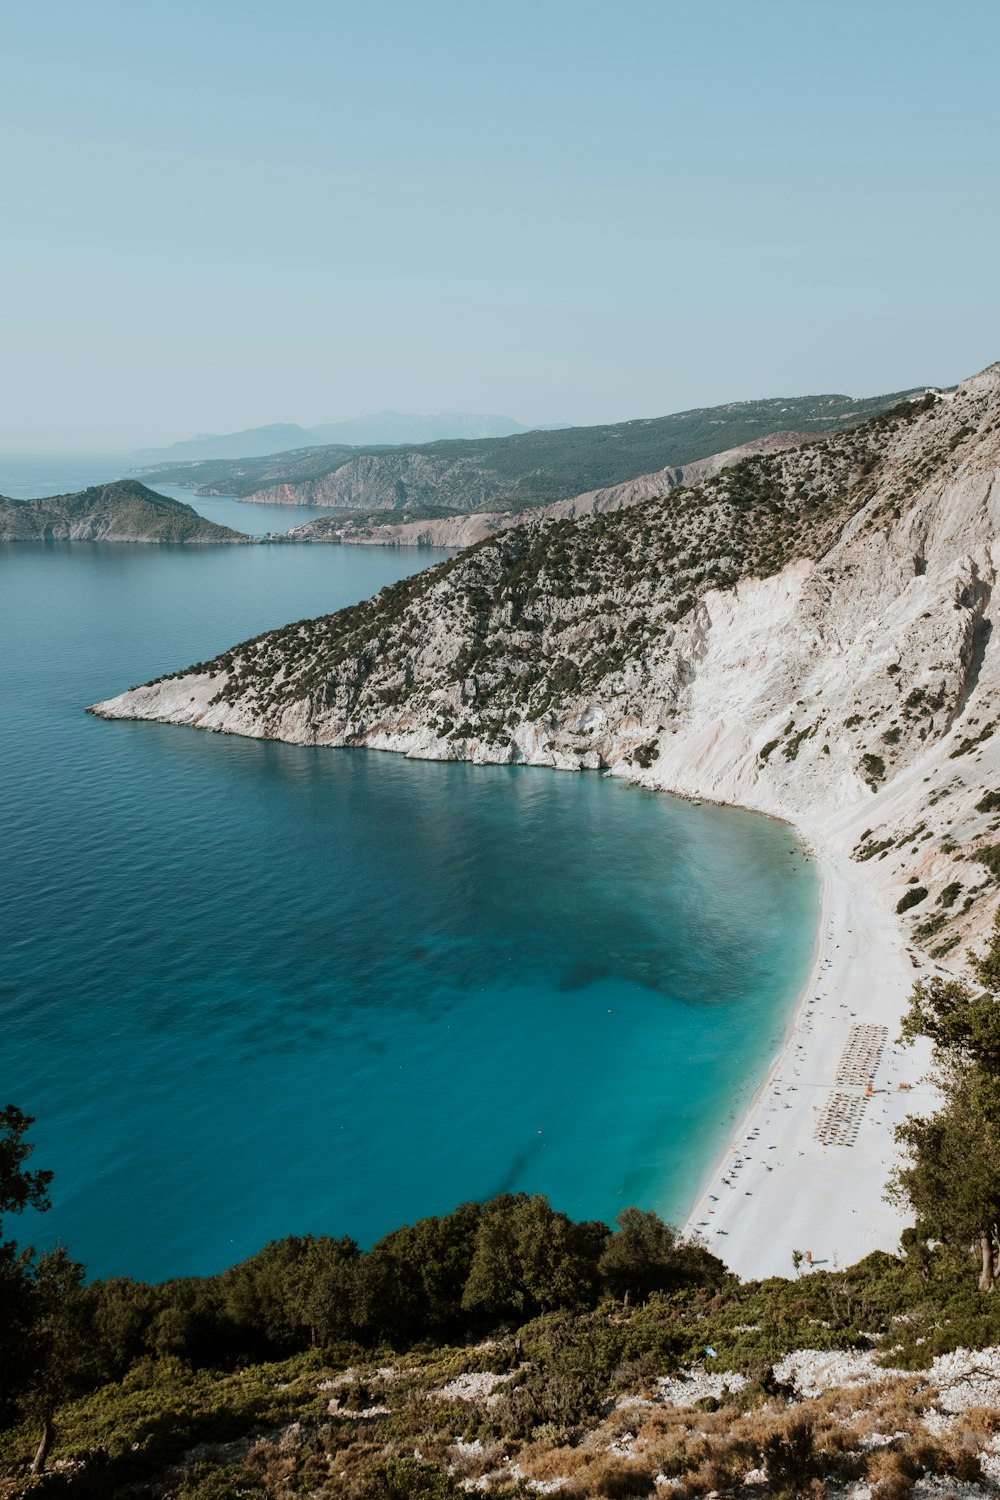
x: 252, y: 989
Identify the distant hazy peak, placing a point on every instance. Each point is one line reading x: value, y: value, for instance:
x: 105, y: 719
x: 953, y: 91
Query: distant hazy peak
x: 394, y: 428
x: 380, y: 429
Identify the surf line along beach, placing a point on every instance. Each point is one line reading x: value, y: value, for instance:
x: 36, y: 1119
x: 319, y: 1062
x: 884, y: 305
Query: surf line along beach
x: 805, y: 1169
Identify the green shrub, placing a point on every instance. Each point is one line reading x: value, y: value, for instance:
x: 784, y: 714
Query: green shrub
x: 873, y: 769
x: 408, y: 1479
x: 234, y: 1483
x: 912, y: 898
x: 791, y: 749
x: 990, y: 857
x: 644, y: 755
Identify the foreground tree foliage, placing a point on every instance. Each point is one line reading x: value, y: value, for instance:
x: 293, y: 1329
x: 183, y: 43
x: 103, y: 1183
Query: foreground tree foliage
x: 353, y: 1421
x: 43, y: 1360
x: 483, y: 1267
x: 19, y: 1189
x: 952, y: 1181
x: 646, y: 1256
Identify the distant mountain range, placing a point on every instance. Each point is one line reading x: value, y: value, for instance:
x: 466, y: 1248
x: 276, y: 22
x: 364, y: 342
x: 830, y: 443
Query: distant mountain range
x: 379, y: 429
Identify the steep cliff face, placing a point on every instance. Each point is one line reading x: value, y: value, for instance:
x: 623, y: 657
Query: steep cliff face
x: 124, y: 511
x: 388, y: 481
x: 808, y: 633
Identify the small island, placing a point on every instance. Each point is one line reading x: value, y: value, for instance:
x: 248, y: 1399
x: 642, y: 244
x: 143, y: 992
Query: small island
x: 124, y: 511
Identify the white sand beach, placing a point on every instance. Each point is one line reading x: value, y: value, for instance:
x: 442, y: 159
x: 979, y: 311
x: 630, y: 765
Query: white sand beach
x: 778, y: 1187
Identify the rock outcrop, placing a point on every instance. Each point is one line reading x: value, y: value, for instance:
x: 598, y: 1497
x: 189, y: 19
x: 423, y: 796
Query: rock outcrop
x: 808, y: 633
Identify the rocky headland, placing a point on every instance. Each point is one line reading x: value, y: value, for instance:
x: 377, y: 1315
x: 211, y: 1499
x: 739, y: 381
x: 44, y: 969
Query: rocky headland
x: 807, y: 633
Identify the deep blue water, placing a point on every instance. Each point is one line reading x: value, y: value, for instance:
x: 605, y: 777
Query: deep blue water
x: 253, y: 989
x: 254, y: 520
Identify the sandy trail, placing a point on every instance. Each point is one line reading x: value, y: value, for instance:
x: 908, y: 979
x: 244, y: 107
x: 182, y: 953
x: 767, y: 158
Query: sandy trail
x: 776, y: 1188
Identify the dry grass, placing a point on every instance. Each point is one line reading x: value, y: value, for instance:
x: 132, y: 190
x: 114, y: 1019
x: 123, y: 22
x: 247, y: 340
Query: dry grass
x: 474, y: 1465
x: 559, y: 1461
x: 886, y: 1434
x: 874, y: 1433
x: 611, y: 1479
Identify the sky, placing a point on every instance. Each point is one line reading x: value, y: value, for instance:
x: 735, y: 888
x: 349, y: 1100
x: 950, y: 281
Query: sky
x: 225, y: 213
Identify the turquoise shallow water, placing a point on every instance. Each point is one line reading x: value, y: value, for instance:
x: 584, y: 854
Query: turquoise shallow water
x: 254, y: 989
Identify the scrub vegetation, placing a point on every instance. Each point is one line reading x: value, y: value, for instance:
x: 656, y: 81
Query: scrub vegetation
x: 536, y: 615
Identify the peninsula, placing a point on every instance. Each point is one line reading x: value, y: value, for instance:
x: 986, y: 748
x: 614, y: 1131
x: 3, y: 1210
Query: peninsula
x: 124, y: 511
x: 385, y: 530
x: 513, y: 473
x: 807, y: 634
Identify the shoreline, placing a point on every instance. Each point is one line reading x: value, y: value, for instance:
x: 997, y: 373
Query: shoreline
x: 774, y: 1188
x: 740, y: 1124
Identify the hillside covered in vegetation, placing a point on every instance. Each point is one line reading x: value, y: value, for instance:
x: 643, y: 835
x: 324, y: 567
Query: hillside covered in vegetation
x: 513, y: 473
x: 124, y: 511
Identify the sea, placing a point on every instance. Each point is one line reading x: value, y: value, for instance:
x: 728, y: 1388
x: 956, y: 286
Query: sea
x: 251, y: 989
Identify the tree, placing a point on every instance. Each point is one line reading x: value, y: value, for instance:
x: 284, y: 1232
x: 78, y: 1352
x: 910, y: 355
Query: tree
x: 952, y: 1179
x: 987, y: 966
x: 321, y: 1288
x: 964, y: 1026
x: 645, y: 1256
x: 19, y: 1189
x: 40, y: 1343
x: 412, y: 1280
x: 529, y: 1259
x: 64, y: 1362
x: 119, y: 1313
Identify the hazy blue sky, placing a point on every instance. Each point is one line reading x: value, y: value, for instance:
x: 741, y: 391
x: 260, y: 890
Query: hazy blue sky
x: 220, y: 213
